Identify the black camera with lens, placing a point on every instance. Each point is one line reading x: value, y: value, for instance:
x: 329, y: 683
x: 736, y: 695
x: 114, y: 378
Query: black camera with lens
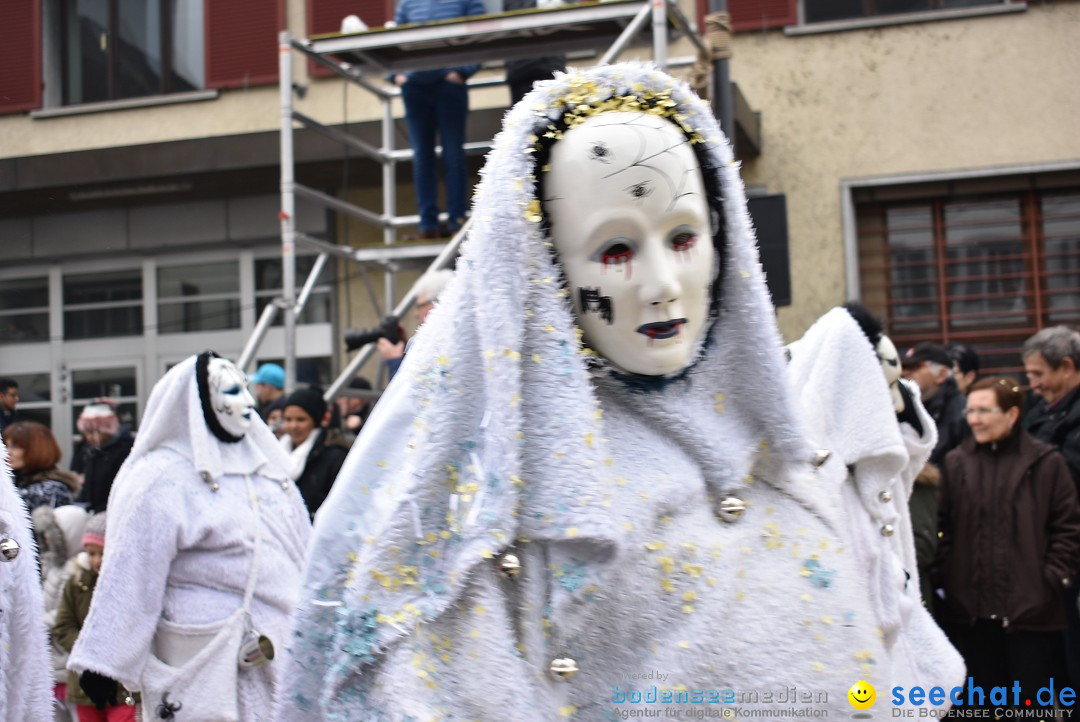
x: 357, y: 337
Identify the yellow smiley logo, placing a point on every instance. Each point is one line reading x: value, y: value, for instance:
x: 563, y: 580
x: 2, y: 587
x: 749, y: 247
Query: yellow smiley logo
x: 862, y: 695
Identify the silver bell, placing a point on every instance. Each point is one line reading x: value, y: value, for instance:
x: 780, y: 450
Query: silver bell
x: 509, y: 566
x: 563, y: 669
x: 885, y: 497
x: 9, y: 549
x: 730, y: 508
x: 887, y: 530
x: 819, y: 457
x: 255, y: 649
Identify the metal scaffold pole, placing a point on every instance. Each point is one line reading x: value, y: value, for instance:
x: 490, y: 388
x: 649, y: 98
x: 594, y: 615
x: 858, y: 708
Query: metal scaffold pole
x: 288, y: 210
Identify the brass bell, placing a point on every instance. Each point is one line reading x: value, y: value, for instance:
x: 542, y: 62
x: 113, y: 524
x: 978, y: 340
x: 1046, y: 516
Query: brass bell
x: 885, y: 496
x: 509, y: 565
x: 563, y: 669
x: 9, y: 549
x: 887, y: 530
x: 731, y: 508
x: 819, y: 457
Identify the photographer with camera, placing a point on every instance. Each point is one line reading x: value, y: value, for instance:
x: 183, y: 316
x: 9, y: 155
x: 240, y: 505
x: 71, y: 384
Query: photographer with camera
x: 389, y: 334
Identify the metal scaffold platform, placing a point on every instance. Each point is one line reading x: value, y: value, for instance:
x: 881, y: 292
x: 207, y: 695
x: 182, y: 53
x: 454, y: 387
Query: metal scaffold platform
x: 364, y: 59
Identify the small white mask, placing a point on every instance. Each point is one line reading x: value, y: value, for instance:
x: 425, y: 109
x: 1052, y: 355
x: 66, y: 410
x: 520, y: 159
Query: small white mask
x: 229, y: 396
x: 890, y: 364
x: 631, y: 225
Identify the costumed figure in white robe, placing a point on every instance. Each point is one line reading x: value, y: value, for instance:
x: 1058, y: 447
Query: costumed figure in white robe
x: 586, y: 494
x: 875, y: 437
x: 202, y: 501
x: 25, y: 668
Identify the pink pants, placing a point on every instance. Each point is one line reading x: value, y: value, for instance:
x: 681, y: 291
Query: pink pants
x: 117, y: 713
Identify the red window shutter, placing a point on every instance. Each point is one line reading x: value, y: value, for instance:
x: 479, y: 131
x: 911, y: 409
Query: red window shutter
x: 20, y: 56
x: 324, y: 16
x: 241, y: 42
x: 762, y: 14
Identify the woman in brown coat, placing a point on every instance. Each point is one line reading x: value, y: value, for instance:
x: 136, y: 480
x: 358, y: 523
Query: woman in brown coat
x: 1010, y: 542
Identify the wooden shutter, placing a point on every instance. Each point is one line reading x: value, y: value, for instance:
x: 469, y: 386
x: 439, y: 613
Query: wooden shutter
x: 762, y: 14
x: 20, y: 56
x: 241, y: 42
x: 324, y: 16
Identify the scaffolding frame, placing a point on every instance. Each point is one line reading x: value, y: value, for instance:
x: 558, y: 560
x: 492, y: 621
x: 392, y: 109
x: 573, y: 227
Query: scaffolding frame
x: 355, y: 58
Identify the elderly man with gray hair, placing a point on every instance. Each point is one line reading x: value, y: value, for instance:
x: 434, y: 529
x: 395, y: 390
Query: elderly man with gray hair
x: 1052, y: 363
x: 427, y: 293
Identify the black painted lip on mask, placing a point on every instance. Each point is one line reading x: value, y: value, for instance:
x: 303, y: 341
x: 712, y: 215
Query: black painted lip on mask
x: 661, y: 329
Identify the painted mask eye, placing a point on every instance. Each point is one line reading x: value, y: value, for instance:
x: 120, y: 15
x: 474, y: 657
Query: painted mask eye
x: 232, y: 390
x: 616, y: 254
x: 684, y: 241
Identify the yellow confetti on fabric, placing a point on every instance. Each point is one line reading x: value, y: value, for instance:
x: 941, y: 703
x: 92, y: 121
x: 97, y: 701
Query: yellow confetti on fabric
x: 817, y: 667
x: 684, y: 645
x: 689, y: 596
x: 806, y: 598
x: 532, y: 211
x: 655, y: 545
x: 568, y: 710
x: 381, y: 463
x: 572, y: 532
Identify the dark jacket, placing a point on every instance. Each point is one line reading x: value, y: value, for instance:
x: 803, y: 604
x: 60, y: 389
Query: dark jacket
x: 1010, y: 534
x: 924, y: 520
x: 99, y: 466
x: 52, y: 487
x: 946, y: 407
x: 529, y: 70
x: 1059, y: 425
x: 323, y: 463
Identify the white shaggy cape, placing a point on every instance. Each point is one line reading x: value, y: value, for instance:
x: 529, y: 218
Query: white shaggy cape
x: 25, y: 669
x: 176, y: 548
x: 845, y: 402
x: 498, y: 435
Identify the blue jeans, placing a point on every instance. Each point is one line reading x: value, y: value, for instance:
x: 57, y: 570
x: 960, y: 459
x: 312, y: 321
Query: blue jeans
x: 442, y: 107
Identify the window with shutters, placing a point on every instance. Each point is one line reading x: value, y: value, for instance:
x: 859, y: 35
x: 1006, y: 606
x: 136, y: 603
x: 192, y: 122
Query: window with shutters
x: 988, y: 270
x: 20, y: 55
x: 116, y: 49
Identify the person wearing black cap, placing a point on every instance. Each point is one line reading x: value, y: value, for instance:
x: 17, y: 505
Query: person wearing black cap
x: 316, y: 452
x: 930, y: 366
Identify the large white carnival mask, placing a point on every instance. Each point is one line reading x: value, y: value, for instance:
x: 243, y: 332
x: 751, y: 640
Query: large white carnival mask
x: 631, y: 224
x: 229, y: 396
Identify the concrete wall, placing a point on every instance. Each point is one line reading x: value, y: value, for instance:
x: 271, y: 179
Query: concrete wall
x: 929, y: 97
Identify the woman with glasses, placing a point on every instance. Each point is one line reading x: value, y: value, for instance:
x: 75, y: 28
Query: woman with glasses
x: 1010, y: 542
